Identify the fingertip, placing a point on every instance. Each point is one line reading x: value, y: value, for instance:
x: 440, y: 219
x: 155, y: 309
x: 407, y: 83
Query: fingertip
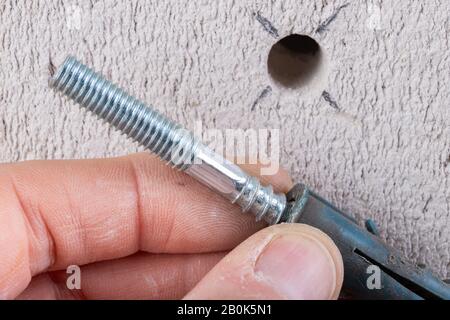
x: 312, y: 253
x: 290, y: 261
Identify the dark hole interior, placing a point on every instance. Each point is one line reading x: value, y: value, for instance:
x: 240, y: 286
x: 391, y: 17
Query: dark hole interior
x: 294, y: 60
x: 300, y: 44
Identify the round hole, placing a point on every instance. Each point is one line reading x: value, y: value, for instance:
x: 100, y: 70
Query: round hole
x: 294, y: 61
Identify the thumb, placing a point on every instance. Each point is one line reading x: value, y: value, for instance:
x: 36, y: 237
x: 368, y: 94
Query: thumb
x: 290, y: 261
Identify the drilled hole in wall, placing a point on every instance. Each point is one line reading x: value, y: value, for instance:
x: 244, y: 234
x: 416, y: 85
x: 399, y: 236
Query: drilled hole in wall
x: 295, y: 61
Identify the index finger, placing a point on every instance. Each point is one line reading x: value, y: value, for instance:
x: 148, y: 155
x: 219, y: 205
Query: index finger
x: 58, y: 213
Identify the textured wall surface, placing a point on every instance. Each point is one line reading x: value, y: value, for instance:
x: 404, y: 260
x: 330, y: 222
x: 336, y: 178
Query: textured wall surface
x: 378, y: 146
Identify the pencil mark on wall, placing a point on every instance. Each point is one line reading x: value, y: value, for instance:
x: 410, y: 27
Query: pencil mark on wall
x: 425, y: 207
x: 324, y: 25
x: 426, y: 114
x: 267, y: 25
x: 328, y: 98
x: 264, y: 93
x: 51, y: 67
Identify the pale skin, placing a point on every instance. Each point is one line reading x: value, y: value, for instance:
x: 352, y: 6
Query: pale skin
x: 140, y: 230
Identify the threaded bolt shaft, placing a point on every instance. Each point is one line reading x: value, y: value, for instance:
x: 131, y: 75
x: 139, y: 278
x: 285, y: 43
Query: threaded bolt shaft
x: 165, y: 138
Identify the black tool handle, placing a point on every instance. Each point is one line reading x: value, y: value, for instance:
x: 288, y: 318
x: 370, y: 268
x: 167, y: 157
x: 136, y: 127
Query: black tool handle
x: 361, y: 251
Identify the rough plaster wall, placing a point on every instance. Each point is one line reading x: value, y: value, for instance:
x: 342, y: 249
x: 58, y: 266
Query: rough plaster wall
x: 379, y: 147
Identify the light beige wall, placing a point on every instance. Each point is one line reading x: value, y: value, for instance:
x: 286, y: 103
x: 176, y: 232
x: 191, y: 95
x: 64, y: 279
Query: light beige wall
x: 382, y: 153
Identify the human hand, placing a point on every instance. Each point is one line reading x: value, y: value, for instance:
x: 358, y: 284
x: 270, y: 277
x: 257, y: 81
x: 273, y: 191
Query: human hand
x: 140, y: 230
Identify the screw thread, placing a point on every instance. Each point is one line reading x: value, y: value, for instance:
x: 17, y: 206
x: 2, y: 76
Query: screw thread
x: 155, y: 132
x: 129, y: 115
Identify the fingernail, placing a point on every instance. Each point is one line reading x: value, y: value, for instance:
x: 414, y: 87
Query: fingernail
x: 298, y: 267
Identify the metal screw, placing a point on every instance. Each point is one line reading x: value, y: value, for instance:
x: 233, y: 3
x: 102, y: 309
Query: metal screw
x: 168, y: 140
